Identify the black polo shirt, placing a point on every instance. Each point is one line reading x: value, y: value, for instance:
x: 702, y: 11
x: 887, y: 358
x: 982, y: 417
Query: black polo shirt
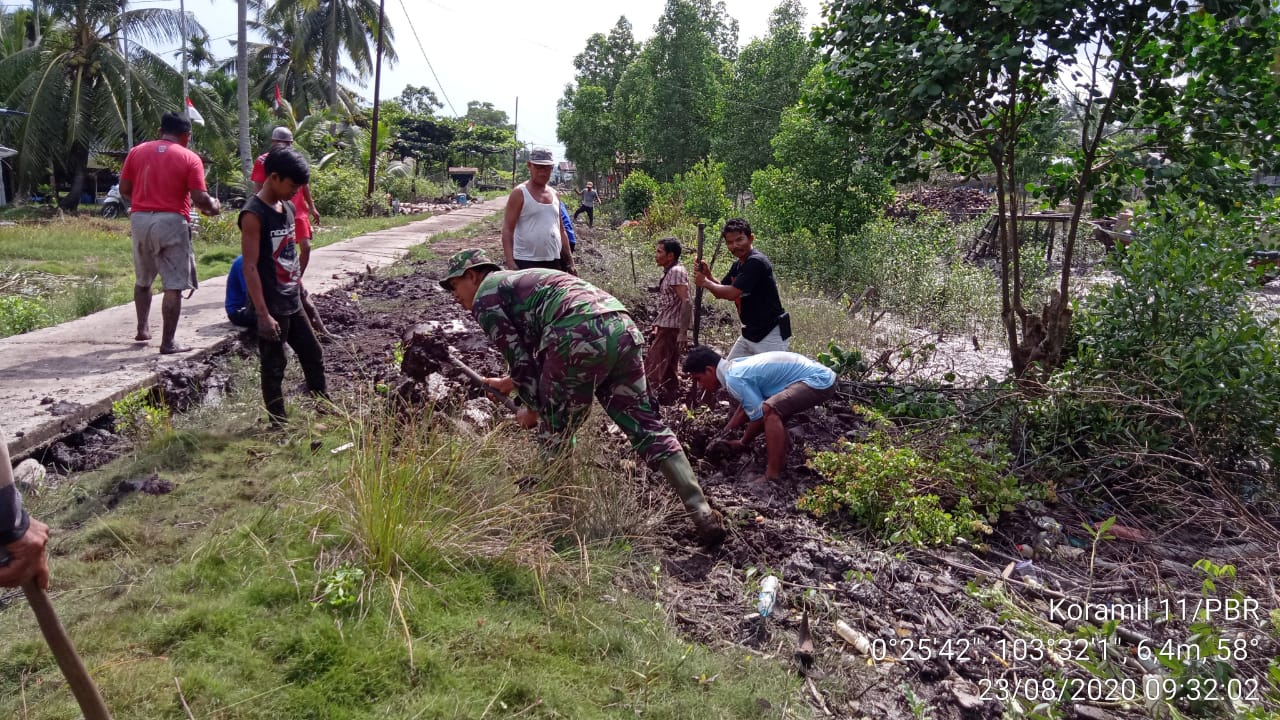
x: 759, y: 308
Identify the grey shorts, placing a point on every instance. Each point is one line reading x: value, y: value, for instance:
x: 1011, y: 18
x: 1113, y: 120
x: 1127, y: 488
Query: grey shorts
x: 162, y: 246
x: 798, y: 397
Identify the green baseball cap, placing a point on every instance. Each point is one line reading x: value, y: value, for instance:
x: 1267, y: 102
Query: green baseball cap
x: 464, y: 260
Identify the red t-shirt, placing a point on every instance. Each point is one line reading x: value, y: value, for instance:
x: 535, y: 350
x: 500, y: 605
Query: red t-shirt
x: 163, y: 174
x: 300, y: 208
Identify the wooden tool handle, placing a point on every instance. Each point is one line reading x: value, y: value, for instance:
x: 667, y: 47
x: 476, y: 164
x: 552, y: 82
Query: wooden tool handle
x: 87, y: 695
x: 697, y: 294
x: 477, y: 379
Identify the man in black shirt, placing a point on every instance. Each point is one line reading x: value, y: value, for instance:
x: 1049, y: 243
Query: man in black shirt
x: 751, y: 285
x: 272, y: 276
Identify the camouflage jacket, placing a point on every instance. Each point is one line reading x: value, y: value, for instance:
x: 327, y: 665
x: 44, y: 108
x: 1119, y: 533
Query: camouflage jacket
x: 525, y: 311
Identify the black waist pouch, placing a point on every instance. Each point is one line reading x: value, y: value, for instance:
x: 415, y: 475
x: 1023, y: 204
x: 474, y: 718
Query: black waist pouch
x: 758, y: 333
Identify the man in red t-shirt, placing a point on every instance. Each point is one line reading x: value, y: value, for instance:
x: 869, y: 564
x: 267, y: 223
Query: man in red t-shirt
x: 303, y: 210
x: 163, y: 179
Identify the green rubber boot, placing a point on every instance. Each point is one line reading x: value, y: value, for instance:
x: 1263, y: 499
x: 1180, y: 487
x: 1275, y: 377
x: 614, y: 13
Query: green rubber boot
x: 679, y: 474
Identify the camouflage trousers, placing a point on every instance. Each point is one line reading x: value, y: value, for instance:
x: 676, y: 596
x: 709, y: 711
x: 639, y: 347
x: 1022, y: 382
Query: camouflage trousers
x: 603, y: 358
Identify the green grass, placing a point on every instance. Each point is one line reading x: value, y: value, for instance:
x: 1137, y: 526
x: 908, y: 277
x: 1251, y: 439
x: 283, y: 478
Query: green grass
x: 77, y: 265
x: 219, y: 585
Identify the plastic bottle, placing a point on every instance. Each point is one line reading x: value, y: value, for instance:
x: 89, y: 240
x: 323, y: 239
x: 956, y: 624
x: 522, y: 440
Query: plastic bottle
x: 768, y: 595
x: 859, y: 641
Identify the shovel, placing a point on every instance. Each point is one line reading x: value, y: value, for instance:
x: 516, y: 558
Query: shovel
x: 87, y: 695
x: 425, y: 351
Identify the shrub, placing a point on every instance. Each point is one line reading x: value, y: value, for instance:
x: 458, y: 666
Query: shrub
x: 1173, y: 369
x: 20, y: 314
x: 915, y: 489
x: 338, y: 191
x: 701, y: 192
x: 637, y: 193
x: 139, y: 417
x: 919, y: 275
x: 89, y: 297
x: 220, y: 230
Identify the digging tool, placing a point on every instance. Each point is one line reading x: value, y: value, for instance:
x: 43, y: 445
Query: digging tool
x: 697, y: 294
x: 87, y: 695
x: 425, y: 351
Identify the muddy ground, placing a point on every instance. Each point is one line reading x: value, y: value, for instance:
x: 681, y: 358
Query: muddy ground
x: 947, y: 633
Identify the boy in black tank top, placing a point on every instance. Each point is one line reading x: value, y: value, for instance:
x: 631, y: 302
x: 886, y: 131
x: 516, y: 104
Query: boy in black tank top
x: 272, y: 276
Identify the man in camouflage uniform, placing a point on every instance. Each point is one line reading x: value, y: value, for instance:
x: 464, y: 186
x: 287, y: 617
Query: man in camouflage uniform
x: 565, y: 340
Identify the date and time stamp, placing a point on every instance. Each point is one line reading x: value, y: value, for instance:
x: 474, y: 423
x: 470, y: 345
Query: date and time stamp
x: 1229, y: 648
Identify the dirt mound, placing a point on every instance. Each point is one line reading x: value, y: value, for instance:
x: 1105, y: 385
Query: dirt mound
x: 958, y: 204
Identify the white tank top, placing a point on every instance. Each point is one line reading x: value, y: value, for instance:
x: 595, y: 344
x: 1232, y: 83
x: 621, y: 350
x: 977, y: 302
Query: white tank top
x: 537, y: 235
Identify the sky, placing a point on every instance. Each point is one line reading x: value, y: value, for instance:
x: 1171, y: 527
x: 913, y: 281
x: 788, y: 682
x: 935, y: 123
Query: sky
x: 493, y: 50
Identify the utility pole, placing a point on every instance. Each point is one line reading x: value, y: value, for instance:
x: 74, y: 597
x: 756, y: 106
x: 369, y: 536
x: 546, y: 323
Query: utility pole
x: 128, y: 84
x: 182, y: 27
x: 515, y: 152
x: 377, y: 83
x: 242, y: 88
x: 35, y: 6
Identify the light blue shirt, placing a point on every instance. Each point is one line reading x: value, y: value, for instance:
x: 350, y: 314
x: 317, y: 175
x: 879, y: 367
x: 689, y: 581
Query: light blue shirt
x: 756, y: 378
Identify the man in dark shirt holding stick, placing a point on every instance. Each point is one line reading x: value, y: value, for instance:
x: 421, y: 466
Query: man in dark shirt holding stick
x: 272, y: 276
x: 750, y: 283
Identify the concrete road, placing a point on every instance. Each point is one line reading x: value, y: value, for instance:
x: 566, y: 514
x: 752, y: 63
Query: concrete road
x: 86, y: 364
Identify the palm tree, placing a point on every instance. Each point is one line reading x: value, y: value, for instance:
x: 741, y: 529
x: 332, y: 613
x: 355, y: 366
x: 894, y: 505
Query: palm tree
x: 71, y: 84
x: 327, y: 30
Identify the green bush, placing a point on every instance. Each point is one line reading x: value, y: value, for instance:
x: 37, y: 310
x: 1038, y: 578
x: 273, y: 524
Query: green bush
x: 20, y: 314
x: 701, y: 192
x: 914, y: 489
x: 1174, y: 372
x: 221, y: 230
x: 919, y: 274
x: 338, y: 191
x: 637, y: 193
x: 140, y: 416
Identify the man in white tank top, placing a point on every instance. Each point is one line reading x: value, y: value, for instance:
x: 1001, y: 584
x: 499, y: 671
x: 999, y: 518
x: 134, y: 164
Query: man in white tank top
x: 532, y: 235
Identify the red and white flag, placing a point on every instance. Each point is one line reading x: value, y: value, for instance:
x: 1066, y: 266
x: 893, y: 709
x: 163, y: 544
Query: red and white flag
x: 276, y: 102
x: 193, y: 114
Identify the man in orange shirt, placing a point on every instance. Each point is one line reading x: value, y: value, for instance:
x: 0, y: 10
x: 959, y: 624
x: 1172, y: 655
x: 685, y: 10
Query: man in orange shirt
x: 163, y: 179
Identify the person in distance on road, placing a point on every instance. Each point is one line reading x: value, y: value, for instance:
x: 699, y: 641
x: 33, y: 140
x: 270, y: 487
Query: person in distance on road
x: 566, y: 341
x: 588, y: 204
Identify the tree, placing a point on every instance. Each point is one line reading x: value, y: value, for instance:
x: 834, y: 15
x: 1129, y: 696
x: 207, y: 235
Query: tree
x: 70, y: 82
x: 766, y: 80
x: 585, y: 129
x: 684, y: 96
x: 331, y: 31
x: 721, y: 27
x: 823, y: 181
x: 965, y: 79
x: 606, y: 58
x: 420, y: 100
x: 485, y: 114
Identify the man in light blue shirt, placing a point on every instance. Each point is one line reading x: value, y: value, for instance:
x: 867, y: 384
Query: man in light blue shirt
x: 771, y: 386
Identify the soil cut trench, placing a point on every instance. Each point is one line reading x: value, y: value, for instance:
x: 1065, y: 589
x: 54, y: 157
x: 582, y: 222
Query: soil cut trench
x: 942, y: 633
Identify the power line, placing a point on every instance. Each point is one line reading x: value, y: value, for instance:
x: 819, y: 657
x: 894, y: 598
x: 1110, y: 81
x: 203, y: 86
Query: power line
x: 424, y: 57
